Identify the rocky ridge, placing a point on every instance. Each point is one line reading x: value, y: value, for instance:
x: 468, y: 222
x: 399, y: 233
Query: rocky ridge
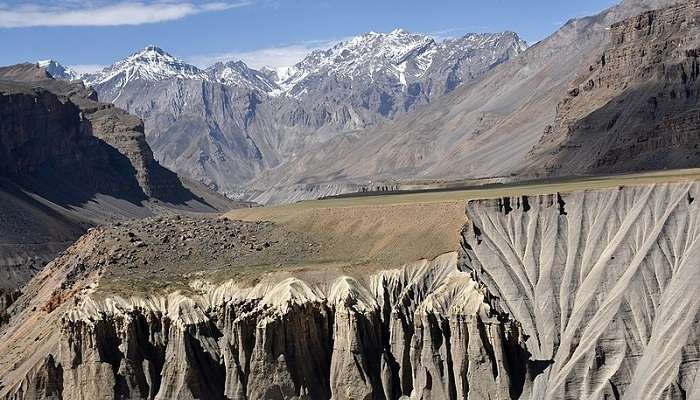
x: 58, y: 71
x: 370, y: 337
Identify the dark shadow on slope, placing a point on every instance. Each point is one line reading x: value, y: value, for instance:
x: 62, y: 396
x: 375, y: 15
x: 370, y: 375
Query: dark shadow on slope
x: 653, y: 126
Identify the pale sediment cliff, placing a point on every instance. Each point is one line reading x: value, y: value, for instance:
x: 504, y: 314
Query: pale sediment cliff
x: 423, y: 331
x: 604, y: 284
x: 566, y: 296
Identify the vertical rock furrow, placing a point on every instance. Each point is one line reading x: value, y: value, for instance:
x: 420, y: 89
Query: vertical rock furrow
x: 610, y: 312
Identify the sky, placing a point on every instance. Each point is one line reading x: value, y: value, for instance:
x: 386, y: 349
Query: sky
x: 89, y: 34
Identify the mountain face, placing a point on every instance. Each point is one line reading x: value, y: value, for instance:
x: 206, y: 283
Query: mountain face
x: 227, y: 124
x: 636, y: 107
x: 68, y: 162
x: 484, y: 129
x: 237, y: 73
x: 150, y: 64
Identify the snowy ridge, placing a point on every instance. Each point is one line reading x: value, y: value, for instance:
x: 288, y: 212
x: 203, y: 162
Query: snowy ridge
x: 150, y: 64
x: 399, y: 54
x: 237, y: 73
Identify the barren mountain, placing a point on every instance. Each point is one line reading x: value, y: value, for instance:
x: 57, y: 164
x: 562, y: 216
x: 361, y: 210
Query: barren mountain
x: 225, y: 125
x: 636, y: 108
x: 69, y: 162
x: 484, y: 128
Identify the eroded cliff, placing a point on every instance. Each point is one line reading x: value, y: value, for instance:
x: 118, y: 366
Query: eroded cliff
x: 604, y: 284
x: 423, y: 331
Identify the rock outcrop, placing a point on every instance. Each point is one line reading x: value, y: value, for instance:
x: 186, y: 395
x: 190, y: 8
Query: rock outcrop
x: 562, y: 296
x: 603, y: 284
x: 636, y: 107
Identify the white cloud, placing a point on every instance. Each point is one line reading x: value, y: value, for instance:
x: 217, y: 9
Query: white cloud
x: 453, y: 33
x: 277, y: 57
x: 86, y: 68
x: 90, y: 13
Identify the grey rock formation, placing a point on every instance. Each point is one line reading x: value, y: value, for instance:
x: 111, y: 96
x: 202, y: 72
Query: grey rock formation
x: 423, y: 331
x: 564, y: 296
x: 225, y: 125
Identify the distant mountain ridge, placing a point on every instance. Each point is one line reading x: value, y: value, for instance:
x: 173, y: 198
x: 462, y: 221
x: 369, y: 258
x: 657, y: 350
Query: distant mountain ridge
x: 58, y: 71
x: 226, y: 124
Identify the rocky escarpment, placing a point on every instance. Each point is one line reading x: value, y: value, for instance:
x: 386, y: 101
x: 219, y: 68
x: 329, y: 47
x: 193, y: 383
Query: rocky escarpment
x: 563, y: 296
x: 68, y: 162
x: 603, y: 283
x: 75, y: 109
x: 424, y: 330
x: 636, y: 107
x: 42, y: 131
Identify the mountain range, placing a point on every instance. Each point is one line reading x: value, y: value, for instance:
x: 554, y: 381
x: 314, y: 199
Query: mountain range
x: 399, y: 107
x: 227, y: 124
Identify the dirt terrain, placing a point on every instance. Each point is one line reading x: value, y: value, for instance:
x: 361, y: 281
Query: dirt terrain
x: 313, y: 240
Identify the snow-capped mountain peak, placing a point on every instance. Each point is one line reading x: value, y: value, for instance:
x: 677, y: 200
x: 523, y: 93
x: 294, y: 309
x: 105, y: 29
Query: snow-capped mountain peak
x: 237, y: 73
x: 399, y: 56
x: 150, y: 64
x: 58, y: 71
x: 361, y: 57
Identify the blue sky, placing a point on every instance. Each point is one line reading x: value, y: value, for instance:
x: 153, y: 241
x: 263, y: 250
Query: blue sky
x: 89, y: 33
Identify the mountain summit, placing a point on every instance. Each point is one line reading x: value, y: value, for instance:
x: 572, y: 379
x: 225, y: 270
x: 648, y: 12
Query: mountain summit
x: 402, y: 58
x: 151, y: 64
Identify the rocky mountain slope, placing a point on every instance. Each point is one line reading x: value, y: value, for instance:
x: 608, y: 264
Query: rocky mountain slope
x: 68, y: 162
x: 225, y: 125
x: 637, y: 106
x: 392, y: 73
x: 533, y: 304
x: 482, y: 129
